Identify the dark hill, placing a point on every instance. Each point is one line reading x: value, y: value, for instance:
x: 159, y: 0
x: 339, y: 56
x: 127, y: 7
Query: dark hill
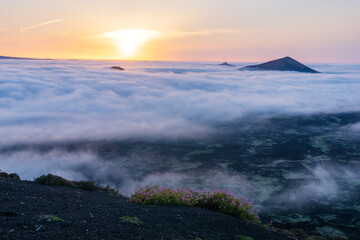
x: 226, y: 64
x: 29, y: 210
x: 282, y: 64
x: 117, y: 68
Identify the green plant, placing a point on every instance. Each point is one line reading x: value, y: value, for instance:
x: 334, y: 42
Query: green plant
x: 268, y: 225
x: 14, y: 176
x: 288, y: 232
x: 4, y: 175
x: 85, y: 185
x: 245, y: 237
x: 53, y: 180
x: 88, y: 185
x: 132, y: 220
x: 51, y: 218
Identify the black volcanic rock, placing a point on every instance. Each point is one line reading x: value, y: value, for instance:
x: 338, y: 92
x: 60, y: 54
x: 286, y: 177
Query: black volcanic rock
x: 282, y: 64
x: 226, y: 64
x: 117, y: 68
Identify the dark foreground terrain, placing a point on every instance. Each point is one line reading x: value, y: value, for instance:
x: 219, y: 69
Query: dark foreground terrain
x: 95, y: 215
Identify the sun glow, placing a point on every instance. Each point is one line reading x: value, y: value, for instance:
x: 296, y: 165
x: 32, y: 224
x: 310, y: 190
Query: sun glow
x: 129, y: 41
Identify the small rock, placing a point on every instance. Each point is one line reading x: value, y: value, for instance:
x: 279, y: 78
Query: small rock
x: 40, y: 228
x: 91, y: 215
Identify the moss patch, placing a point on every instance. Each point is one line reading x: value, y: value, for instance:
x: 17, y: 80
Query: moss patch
x: 241, y: 237
x: 132, y: 220
x: 51, y: 218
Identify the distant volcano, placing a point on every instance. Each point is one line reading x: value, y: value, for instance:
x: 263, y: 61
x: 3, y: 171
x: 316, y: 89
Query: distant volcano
x: 282, y: 64
x: 226, y: 64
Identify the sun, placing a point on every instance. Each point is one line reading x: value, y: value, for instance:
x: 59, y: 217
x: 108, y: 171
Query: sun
x: 129, y: 41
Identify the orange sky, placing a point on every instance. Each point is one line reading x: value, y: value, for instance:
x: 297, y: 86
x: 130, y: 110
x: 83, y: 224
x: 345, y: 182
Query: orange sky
x: 207, y: 30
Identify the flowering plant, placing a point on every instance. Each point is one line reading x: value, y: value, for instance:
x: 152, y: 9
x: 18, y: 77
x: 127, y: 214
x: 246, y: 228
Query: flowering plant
x: 217, y: 200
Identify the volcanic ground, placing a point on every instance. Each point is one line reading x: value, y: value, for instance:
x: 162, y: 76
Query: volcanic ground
x: 81, y: 214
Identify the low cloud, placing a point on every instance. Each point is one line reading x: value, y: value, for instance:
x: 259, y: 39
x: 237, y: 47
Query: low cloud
x: 328, y: 182
x: 354, y: 128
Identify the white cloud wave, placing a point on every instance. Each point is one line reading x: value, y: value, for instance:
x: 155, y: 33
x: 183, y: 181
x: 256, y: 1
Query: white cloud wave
x: 57, y: 100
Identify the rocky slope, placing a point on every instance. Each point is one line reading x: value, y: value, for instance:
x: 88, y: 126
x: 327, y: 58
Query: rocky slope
x: 29, y: 210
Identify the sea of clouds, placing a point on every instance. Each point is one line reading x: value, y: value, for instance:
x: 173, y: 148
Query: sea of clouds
x: 56, y: 101
x: 53, y: 100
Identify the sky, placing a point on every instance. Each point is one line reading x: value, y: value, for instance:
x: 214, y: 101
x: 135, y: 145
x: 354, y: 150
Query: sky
x: 187, y: 30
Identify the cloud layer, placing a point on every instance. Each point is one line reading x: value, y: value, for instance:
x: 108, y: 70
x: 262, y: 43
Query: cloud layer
x: 55, y: 100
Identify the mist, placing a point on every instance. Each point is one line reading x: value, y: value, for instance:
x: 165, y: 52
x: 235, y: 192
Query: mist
x: 328, y: 181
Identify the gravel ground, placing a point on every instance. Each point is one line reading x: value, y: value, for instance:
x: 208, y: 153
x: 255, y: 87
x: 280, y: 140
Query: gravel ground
x: 95, y: 215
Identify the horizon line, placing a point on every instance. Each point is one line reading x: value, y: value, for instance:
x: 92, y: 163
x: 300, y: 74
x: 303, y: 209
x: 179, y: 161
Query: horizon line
x: 139, y: 60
